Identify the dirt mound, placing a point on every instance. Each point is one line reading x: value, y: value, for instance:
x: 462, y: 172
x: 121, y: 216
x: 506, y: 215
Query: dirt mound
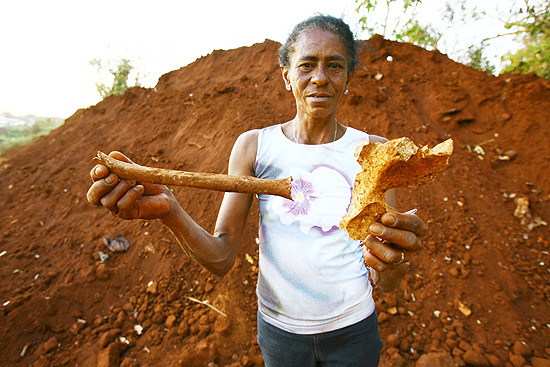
x: 479, y: 294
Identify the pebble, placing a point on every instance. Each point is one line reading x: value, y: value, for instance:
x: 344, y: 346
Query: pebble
x: 152, y: 288
x: 107, y: 337
x: 476, y: 359
x: 102, y: 272
x: 517, y: 360
x: 222, y: 326
x: 130, y: 362
x: 170, y: 321
x: 109, y: 357
x: 540, y: 362
x: 522, y: 349
x: 383, y: 317
x: 393, y: 340
x: 436, y: 359
x: 50, y: 345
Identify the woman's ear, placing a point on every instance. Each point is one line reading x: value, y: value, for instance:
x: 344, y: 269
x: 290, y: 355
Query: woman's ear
x: 284, y: 73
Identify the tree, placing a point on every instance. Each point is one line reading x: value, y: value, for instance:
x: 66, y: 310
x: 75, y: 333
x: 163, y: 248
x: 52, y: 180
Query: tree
x: 532, y: 27
x: 402, y: 12
x: 120, y: 76
x: 529, y: 22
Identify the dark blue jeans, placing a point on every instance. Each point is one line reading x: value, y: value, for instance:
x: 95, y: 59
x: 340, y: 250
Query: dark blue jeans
x: 355, y: 345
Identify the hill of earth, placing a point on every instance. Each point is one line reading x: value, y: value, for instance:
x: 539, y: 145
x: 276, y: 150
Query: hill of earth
x: 477, y: 295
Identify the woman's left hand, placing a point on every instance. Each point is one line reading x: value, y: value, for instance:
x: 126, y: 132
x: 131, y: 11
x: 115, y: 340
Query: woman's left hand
x: 392, y: 242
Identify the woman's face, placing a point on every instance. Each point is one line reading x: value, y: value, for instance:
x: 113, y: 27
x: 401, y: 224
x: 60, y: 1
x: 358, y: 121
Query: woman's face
x: 318, y: 73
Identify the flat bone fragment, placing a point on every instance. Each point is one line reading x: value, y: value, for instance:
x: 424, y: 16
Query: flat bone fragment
x: 396, y: 163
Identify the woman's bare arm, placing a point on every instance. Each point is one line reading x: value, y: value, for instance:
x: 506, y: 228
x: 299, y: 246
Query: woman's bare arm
x: 217, y: 251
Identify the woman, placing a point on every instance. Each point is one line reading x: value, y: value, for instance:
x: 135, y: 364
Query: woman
x: 315, y: 304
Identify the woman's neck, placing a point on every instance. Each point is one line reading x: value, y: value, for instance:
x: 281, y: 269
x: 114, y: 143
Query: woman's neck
x: 313, y: 131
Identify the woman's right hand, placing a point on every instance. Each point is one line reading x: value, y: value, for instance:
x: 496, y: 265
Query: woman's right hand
x: 128, y: 199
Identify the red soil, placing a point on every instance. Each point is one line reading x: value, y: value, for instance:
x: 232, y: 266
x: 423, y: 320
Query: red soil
x: 60, y: 306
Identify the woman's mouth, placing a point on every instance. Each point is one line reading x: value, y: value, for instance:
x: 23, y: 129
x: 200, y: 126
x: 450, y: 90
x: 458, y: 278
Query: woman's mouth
x: 319, y: 97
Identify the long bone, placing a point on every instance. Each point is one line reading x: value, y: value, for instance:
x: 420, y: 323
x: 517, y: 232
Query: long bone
x: 210, y: 181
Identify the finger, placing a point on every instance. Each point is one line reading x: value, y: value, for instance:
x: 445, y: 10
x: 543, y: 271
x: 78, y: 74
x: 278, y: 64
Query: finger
x: 409, y: 222
x: 98, y: 172
x: 121, y: 157
x: 384, y: 252
x: 404, y: 239
x: 373, y: 261
x: 126, y: 208
x: 149, y: 188
x: 109, y: 201
x: 100, y: 188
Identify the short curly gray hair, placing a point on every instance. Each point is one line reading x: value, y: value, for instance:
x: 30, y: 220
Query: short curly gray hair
x: 325, y: 23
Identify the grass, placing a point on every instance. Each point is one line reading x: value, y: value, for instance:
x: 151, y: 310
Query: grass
x: 11, y: 136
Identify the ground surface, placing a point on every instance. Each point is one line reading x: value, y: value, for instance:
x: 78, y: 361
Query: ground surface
x: 479, y: 294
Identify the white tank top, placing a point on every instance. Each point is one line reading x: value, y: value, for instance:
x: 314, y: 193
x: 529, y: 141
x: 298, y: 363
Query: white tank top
x: 312, y: 277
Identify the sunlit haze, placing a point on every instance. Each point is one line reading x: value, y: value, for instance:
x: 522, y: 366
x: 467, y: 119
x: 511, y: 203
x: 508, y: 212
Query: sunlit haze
x: 47, y: 45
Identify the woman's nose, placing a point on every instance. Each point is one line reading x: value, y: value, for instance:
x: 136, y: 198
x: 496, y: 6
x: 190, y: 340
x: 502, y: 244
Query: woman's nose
x: 319, y: 76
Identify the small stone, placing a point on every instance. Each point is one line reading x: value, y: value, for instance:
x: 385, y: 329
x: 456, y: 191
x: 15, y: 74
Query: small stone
x: 383, y: 317
x: 517, y: 360
x: 102, y: 272
x: 107, y: 337
x: 493, y: 360
x: 540, y: 362
x: 152, y: 288
x: 393, y: 340
x: 170, y: 321
x: 183, y: 329
x: 50, y: 345
x: 522, y: 349
x: 109, y: 357
x: 128, y: 307
x: 438, y: 359
x: 475, y: 359
x: 130, y: 362
x: 222, y: 326
x: 158, y: 318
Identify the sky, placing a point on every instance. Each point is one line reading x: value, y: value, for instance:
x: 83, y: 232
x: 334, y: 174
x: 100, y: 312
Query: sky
x: 46, y: 46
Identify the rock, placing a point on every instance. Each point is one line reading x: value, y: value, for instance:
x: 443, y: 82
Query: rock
x: 158, y: 318
x: 451, y: 343
x: 493, y: 360
x: 397, y: 360
x: 102, y: 272
x: 517, y: 360
x: 170, y: 321
x: 130, y: 362
x: 383, y: 317
x: 393, y: 340
x: 50, y: 345
x: 128, y: 307
x: 437, y: 359
x: 222, y: 326
x: 540, y: 362
x: 107, y: 337
x: 522, y: 349
x: 152, y: 288
x: 109, y: 357
x: 475, y: 359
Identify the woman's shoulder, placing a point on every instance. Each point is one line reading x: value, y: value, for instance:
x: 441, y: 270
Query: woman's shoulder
x: 377, y: 139
x: 364, y: 136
